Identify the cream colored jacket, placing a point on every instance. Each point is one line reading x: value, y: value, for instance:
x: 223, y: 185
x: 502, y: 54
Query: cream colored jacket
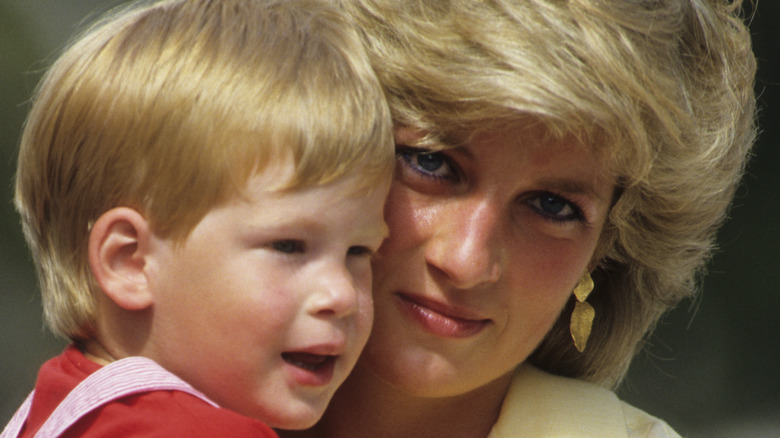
x: 541, y: 405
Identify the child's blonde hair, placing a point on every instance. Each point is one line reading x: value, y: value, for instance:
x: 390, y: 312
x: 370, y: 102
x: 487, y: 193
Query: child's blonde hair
x: 170, y: 107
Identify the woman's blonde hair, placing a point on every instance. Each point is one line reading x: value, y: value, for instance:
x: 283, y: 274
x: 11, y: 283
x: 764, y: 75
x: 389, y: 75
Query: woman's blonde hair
x: 662, y: 88
x: 170, y: 107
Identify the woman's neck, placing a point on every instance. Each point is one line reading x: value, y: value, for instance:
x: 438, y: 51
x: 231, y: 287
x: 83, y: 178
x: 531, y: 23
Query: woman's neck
x: 367, y: 406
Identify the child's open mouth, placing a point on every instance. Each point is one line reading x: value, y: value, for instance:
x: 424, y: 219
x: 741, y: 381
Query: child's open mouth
x: 307, y: 361
x: 311, y: 369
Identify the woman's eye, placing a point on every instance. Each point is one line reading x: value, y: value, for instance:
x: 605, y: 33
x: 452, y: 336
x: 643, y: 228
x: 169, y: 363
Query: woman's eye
x: 288, y: 246
x: 431, y: 164
x: 555, y: 207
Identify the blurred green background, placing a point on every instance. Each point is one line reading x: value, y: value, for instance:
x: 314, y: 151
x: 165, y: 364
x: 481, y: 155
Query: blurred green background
x: 711, y: 369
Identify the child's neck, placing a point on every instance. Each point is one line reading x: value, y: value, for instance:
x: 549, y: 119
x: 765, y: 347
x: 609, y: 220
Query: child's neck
x: 95, y: 352
x: 366, y: 406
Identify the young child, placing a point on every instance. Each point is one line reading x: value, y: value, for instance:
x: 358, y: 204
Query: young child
x: 201, y: 183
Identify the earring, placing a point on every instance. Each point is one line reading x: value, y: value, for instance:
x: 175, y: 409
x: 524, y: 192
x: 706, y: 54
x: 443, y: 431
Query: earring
x: 583, y: 314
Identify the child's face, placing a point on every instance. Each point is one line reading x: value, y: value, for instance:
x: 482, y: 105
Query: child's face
x: 266, y: 306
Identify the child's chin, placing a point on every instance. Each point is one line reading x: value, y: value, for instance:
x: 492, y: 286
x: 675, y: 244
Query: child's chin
x: 299, y: 420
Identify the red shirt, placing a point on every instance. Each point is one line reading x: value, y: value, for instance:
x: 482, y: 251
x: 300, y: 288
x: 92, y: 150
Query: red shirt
x: 149, y: 414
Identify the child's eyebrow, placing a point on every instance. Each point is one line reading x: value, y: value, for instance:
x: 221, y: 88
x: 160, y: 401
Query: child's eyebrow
x: 370, y: 233
x: 384, y: 230
x: 279, y: 224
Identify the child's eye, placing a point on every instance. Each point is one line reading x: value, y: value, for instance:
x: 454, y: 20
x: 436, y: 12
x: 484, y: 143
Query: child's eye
x: 360, y: 251
x: 427, y: 163
x: 288, y: 246
x: 555, y: 207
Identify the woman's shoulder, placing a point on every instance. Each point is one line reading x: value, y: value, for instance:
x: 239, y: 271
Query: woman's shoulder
x: 640, y: 424
x: 539, y: 404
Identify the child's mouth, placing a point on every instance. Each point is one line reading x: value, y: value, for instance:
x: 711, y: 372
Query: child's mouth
x: 310, y: 369
x: 308, y: 361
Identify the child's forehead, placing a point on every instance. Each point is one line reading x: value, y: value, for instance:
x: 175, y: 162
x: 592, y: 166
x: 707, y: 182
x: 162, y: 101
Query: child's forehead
x: 265, y: 201
x: 276, y: 174
x: 280, y: 180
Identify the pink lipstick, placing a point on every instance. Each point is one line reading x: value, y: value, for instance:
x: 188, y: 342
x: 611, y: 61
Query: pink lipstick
x: 440, y: 319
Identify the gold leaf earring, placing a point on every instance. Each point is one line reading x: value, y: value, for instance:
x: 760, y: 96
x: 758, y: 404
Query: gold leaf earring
x: 583, y: 314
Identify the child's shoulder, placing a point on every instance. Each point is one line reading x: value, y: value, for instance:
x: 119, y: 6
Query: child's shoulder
x: 165, y: 414
x: 139, y: 409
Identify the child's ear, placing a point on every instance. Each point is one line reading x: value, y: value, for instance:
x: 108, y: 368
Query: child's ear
x: 118, y: 249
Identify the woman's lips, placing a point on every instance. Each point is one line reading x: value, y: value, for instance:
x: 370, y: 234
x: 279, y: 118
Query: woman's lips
x: 440, y: 319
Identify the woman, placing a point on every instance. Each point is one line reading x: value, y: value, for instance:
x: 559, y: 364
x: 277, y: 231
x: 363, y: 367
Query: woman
x: 543, y: 146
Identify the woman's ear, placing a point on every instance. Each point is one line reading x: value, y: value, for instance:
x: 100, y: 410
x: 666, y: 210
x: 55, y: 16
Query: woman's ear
x: 118, y: 250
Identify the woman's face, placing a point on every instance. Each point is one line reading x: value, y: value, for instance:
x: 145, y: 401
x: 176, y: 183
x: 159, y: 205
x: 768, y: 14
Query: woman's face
x: 487, y: 241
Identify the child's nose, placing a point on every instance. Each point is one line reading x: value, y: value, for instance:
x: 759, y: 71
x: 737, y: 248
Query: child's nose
x: 337, y: 294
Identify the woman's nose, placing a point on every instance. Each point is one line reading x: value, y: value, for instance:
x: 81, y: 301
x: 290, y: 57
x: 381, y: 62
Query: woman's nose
x: 464, y: 243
